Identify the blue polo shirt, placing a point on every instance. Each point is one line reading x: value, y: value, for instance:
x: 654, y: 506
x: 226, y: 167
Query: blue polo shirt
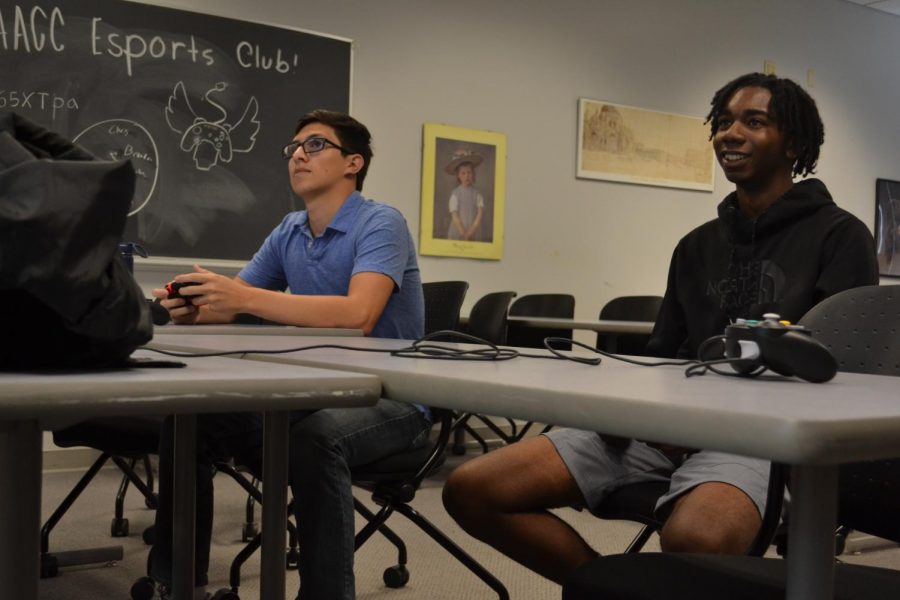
x: 364, y: 237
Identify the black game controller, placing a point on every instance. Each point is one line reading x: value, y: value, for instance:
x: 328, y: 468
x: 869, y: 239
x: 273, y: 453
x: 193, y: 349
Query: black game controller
x: 173, y: 287
x: 777, y: 345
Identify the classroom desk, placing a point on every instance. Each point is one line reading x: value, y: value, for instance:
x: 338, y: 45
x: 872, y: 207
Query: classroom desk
x: 35, y: 401
x: 814, y: 427
x: 600, y: 326
x: 232, y: 329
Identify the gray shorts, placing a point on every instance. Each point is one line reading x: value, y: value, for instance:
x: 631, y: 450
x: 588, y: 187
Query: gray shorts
x: 599, y: 470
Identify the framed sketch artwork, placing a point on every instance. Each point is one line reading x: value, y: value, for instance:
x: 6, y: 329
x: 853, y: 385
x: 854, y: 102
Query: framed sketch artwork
x: 887, y: 227
x: 463, y: 186
x: 633, y: 145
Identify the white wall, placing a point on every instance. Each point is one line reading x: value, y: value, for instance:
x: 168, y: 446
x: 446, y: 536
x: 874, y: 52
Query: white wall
x: 519, y: 68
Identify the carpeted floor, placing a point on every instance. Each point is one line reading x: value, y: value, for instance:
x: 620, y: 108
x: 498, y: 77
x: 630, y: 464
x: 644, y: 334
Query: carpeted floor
x: 434, y: 574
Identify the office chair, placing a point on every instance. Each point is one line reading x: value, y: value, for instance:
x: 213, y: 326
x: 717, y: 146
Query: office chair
x: 860, y: 326
x: 393, y: 482
x: 868, y: 496
x: 487, y: 320
x: 124, y: 440
x: 628, y: 308
x: 443, y: 300
x: 245, y: 469
x: 561, y: 306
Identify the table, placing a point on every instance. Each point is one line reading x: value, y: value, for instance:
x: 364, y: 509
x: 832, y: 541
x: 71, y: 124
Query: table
x: 32, y: 402
x: 231, y: 329
x: 600, y: 326
x: 814, y: 427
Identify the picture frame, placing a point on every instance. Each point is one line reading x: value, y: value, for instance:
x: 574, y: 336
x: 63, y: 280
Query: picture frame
x: 887, y: 227
x: 634, y: 145
x: 463, y: 191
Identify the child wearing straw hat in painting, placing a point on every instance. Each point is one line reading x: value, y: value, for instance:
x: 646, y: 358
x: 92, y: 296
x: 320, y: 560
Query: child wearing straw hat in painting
x: 466, y: 205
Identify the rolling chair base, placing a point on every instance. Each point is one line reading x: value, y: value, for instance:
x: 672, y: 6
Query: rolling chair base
x: 52, y: 561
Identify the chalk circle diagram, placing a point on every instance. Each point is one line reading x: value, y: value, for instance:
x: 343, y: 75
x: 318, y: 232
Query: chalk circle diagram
x: 117, y: 139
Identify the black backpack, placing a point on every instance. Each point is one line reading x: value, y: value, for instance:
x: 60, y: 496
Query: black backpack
x: 67, y: 300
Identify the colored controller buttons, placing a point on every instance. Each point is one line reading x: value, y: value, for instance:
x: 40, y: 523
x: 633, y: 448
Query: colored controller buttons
x: 173, y: 287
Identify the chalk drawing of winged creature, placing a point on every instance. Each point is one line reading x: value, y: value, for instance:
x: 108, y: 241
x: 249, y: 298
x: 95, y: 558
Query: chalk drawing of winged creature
x: 207, y: 133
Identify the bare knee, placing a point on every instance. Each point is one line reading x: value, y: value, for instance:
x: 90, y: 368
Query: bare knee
x: 467, y: 495
x: 712, y: 518
x: 522, y: 477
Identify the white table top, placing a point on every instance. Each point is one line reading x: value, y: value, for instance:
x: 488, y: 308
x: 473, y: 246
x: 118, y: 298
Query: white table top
x: 853, y: 417
x: 600, y: 326
x: 205, y: 385
x: 232, y: 329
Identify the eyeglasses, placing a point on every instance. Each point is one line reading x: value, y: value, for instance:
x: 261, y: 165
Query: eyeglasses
x: 310, y: 146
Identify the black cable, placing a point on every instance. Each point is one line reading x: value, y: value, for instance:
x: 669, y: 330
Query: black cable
x: 700, y: 367
x: 659, y: 363
x: 424, y: 347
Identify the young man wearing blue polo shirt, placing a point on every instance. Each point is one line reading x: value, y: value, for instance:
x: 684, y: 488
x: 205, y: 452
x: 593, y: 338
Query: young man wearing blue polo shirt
x: 348, y: 262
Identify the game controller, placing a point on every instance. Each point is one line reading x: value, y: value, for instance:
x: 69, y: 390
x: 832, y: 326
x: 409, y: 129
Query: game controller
x: 780, y: 346
x: 173, y: 287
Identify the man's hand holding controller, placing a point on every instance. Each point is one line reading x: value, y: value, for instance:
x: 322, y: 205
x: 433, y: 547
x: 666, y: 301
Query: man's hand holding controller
x: 219, y: 297
x: 176, y: 297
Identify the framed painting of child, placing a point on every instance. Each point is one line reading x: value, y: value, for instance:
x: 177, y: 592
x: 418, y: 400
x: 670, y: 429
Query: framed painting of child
x: 463, y: 185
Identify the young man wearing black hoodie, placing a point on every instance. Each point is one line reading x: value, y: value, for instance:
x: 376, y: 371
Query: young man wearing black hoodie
x: 776, y: 246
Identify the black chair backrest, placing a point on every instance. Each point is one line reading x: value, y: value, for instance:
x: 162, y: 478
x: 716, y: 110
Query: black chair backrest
x: 559, y: 306
x: 861, y: 327
x: 487, y: 319
x: 628, y: 308
x: 443, y: 299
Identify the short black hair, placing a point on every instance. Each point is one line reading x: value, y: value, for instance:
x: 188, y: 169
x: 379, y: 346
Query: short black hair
x: 794, y: 111
x: 352, y: 135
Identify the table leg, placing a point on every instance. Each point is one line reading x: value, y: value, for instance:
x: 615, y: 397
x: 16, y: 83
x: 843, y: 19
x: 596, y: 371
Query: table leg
x: 274, y: 512
x: 20, y: 509
x: 813, y: 509
x: 184, y: 507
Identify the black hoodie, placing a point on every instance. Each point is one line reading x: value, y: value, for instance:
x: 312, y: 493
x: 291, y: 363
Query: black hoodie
x: 797, y: 253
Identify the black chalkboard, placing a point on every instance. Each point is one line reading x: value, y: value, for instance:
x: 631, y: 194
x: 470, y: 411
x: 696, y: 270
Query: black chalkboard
x: 201, y: 105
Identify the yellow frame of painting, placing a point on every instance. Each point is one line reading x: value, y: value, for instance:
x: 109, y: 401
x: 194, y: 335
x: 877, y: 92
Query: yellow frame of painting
x: 436, y: 246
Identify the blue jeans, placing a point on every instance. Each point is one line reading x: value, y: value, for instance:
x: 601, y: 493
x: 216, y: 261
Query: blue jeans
x: 325, y: 444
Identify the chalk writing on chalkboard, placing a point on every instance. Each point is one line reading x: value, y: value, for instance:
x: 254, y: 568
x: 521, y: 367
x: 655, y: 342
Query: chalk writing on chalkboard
x: 200, y: 104
x: 115, y: 139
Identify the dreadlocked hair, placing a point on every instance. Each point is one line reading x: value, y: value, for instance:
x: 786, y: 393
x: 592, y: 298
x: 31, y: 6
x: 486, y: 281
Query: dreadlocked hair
x: 794, y: 111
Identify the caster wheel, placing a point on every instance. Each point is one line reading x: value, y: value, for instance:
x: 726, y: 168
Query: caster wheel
x: 396, y: 576
x: 249, y: 532
x: 225, y: 594
x: 143, y: 589
x: 152, y: 504
x: 119, y: 528
x: 292, y: 559
x: 149, y: 535
x: 458, y: 450
x: 49, y: 566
